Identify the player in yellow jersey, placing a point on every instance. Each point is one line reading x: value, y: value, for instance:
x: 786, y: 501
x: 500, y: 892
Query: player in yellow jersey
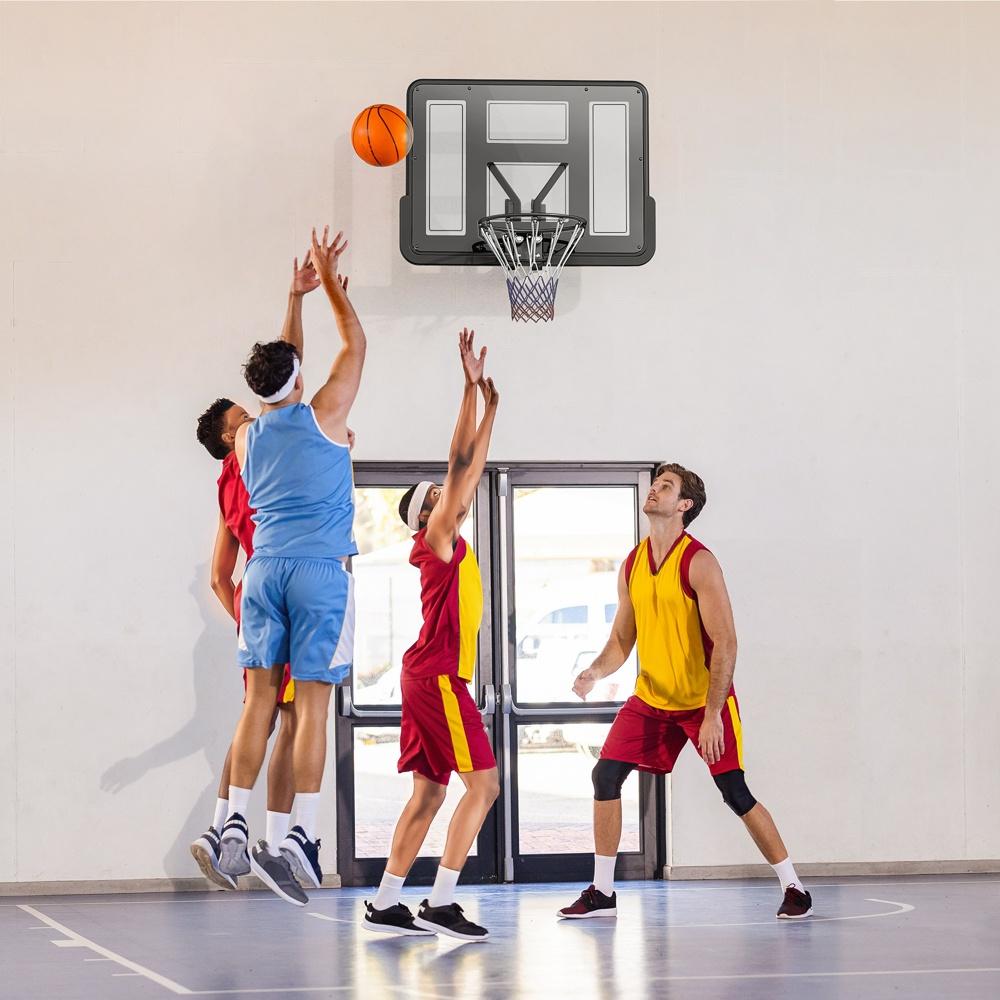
x: 673, y: 604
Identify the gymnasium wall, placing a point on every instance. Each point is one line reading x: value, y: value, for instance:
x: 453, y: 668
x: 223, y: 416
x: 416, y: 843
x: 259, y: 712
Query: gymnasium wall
x: 816, y: 335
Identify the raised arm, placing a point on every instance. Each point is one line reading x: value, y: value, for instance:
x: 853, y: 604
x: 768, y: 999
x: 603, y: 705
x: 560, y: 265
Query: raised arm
x: 336, y: 396
x: 618, y: 646
x: 304, y: 280
x: 446, y: 519
x: 224, y: 555
x: 705, y: 575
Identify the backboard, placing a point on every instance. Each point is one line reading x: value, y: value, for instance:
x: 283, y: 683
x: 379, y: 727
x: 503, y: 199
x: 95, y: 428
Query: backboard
x: 486, y: 147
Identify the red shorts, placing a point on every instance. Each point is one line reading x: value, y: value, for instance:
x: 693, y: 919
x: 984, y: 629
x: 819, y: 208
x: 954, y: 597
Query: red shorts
x: 442, y: 730
x: 651, y: 738
x: 286, y: 690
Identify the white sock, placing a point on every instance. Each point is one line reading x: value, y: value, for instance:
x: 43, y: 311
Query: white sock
x: 389, y: 891
x: 305, y: 809
x: 604, y: 873
x: 785, y: 871
x: 221, y: 814
x: 239, y: 800
x: 443, y: 892
x: 277, y: 830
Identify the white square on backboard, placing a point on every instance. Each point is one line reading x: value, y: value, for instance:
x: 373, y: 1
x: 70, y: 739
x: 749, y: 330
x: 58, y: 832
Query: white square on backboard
x: 527, y: 179
x: 609, y: 174
x: 445, y: 168
x: 527, y: 121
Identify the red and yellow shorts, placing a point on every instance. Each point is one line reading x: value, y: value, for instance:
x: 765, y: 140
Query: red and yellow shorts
x: 442, y: 730
x: 652, y: 738
x: 286, y: 690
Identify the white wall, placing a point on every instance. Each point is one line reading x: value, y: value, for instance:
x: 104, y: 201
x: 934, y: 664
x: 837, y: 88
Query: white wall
x: 815, y: 335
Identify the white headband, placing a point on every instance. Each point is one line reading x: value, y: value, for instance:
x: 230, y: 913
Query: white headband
x: 416, y: 506
x: 277, y: 397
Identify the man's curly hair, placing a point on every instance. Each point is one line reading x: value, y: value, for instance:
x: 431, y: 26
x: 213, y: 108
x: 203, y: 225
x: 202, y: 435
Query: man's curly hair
x: 269, y: 366
x: 211, y: 425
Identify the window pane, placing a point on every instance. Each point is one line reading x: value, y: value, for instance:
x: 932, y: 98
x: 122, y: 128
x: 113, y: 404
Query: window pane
x: 387, y: 593
x: 569, y: 542
x: 555, y: 795
x: 567, y: 616
x: 380, y: 793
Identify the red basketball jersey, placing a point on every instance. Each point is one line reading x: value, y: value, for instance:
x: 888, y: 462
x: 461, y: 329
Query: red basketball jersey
x: 452, y: 597
x: 234, y: 503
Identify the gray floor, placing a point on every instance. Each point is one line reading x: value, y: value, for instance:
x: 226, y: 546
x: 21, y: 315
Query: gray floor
x: 909, y: 937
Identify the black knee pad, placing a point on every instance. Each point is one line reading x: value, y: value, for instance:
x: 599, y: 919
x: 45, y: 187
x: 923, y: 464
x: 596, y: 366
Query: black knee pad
x: 735, y: 793
x: 608, y: 777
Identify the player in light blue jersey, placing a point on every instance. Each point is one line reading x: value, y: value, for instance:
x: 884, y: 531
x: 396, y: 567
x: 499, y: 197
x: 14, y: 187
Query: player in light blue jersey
x: 298, y: 596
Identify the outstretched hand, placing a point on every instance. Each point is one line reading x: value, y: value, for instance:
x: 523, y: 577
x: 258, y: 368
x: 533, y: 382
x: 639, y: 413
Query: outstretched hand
x: 304, y: 279
x: 491, y: 395
x: 472, y: 365
x: 325, y: 255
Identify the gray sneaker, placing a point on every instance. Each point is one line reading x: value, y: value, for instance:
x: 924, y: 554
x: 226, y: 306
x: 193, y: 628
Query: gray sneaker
x: 276, y: 874
x: 233, y: 860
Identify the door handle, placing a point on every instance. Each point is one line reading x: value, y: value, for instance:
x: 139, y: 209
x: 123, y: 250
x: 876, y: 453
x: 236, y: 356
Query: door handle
x: 489, y: 700
x: 349, y: 711
x: 507, y: 699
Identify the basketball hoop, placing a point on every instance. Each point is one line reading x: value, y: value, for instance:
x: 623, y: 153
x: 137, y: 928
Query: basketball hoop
x: 532, y: 248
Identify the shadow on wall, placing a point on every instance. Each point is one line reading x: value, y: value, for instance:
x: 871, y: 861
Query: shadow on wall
x: 425, y: 294
x: 217, y: 697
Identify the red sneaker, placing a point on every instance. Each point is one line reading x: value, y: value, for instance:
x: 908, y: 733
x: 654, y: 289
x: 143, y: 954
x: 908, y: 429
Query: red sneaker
x: 795, y: 905
x: 592, y: 903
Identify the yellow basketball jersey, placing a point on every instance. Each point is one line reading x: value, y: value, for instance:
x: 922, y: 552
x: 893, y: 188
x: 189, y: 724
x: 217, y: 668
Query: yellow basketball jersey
x: 674, y: 650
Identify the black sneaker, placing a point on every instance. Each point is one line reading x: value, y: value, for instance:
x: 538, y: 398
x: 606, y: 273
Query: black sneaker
x: 233, y: 857
x: 796, y: 904
x: 276, y: 874
x: 592, y: 903
x: 449, y: 920
x: 392, y: 920
x: 206, y: 850
x: 303, y: 855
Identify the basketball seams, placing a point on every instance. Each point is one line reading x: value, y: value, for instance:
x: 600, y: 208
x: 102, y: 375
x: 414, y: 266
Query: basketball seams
x: 368, y: 136
x: 388, y: 131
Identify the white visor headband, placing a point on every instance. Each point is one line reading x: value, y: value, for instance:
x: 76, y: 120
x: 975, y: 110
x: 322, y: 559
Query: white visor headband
x: 277, y: 397
x: 417, y: 505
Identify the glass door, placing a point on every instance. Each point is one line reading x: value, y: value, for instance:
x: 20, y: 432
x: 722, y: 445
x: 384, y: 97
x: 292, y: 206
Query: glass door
x: 370, y: 792
x: 550, y: 541
x: 564, y: 534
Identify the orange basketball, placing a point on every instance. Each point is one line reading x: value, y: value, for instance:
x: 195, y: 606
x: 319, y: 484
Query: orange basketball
x: 382, y: 135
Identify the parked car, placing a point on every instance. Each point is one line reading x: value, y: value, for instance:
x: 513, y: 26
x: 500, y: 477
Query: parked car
x: 569, y: 627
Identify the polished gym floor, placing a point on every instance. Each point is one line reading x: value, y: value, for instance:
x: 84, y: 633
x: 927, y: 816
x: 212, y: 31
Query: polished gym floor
x: 907, y: 937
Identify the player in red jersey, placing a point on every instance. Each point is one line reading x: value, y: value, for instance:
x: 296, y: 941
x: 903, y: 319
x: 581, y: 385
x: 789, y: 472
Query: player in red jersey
x: 217, y: 428
x: 442, y: 730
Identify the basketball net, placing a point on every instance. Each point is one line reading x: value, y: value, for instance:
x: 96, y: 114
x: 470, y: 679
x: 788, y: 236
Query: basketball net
x: 532, y: 249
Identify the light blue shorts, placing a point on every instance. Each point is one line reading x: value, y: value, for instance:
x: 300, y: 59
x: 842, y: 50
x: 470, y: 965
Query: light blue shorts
x: 298, y: 611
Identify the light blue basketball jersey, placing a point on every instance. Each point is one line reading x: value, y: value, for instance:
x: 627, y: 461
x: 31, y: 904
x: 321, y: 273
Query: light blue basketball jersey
x: 301, y: 487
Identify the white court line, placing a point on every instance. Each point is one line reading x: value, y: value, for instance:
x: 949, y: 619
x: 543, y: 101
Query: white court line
x: 272, y: 989
x: 824, y: 975
x: 901, y: 908
x: 134, y: 967
x: 319, y: 989
x: 334, y: 920
x: 525, y: 889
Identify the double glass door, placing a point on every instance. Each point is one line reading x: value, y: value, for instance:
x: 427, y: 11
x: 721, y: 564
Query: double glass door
x: 549, y: 541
